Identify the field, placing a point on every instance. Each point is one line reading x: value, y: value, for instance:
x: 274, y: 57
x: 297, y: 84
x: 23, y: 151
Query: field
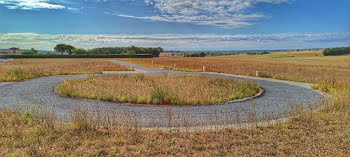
x: 23, y: 69
x: 322, y: 133
x: 158, y: 89
x: 330, y: 71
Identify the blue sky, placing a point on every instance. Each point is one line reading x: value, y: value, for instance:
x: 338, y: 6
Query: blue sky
x: 176, y: 24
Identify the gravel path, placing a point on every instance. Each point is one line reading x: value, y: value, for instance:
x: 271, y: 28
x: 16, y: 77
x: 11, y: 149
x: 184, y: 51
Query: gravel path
x: 2, y: 60
x: 278, y: 97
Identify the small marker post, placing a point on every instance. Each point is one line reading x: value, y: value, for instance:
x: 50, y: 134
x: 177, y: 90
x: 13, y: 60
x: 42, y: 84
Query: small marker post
x: 256, y: 73
x: 204, y: 69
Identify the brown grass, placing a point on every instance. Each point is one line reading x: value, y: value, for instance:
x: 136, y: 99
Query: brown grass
x: 23, y: 69
x: 300, y: 52
x: 331, y: 71
x: 158, y: 89
x: 322, y: 133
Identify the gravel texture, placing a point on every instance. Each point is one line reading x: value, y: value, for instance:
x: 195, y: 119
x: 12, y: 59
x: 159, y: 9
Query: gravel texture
x: 277, y: 98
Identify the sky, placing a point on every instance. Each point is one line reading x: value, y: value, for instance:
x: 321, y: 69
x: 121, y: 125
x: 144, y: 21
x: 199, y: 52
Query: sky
x: 175, y: 24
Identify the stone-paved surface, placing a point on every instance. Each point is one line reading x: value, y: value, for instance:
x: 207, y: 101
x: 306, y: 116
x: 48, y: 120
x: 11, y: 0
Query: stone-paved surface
x: 278, y: 97
x: 2, y: 60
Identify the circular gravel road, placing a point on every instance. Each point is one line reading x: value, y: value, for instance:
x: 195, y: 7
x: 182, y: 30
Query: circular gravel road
x: 279, y: 97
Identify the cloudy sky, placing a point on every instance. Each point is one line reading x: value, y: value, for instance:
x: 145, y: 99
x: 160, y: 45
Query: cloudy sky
x: 175, y: 24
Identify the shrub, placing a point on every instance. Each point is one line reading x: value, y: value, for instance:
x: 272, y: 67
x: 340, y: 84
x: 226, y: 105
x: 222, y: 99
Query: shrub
x: 129, y: 53
x: 80, y: 52
x: 195, y: 54
x: 158, y: 96
x: 336, y: 51
x: 31, y: 52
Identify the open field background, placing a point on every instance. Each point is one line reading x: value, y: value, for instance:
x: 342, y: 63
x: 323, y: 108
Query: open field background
x: 330, y: 71
x: 23, y: 69
x: 322, y: 133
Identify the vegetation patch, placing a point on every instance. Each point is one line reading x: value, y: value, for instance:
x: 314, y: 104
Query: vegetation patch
x: 22, y: 69
x: 309, y: 66
x: 158, y: 89
x: 279, y: 56
x: 337, y: 51
x: 127, y: 55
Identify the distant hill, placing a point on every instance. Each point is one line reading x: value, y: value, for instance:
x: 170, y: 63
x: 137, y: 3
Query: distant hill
x: 40, y: 51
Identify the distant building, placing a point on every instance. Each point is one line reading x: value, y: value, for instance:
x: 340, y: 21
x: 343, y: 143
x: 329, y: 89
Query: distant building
x: 12, y: 51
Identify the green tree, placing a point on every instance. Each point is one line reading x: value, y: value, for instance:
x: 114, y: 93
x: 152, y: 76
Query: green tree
x: 31, y: 52
x: 63, y: 48
x: 130, y: 52
x: 79, y: 51
x: 336, y: 51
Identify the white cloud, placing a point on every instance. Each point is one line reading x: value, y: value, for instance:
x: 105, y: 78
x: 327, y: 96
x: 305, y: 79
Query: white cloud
x: 221, y: 13
x: 31, y: 4
x: 178, y: 41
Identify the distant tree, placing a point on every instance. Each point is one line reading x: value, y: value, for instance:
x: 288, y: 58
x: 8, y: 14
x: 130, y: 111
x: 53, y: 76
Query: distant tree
x: 130, y: 52
x: 336, y: 51
x: 195, y: 54
x: 157, y: 51
x: 70, y: 49
x: 34, y: 51
x: 79, y: 51
x: 60, y: 48
x: 123, y: 50
x: 63, y: 48
x: 31, y: 52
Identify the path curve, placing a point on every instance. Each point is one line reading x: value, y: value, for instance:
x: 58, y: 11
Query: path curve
x: 278, y: 96
x: 3, y: 60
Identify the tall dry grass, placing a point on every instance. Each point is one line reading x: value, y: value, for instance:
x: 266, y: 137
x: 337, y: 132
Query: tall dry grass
x: 158, y: 89
x: 22, y: 69
x: 322, y: 133
x: 36, y: 132
x: 333, y: 72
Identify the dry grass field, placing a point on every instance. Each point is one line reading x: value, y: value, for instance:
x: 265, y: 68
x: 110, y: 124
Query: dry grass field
x: 158, y: 89
x: 23, y: 69
x: 38, y: 133
x: 330, y: 71
x: 322, y: 133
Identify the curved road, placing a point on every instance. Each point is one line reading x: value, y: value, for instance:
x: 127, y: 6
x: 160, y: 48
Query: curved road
x: 2, y: 60
x: 277, y: 99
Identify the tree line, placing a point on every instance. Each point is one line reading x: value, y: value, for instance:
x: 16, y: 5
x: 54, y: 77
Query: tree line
x: 336, y: 51
x: 130, y: 50
x: 195, y: 54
